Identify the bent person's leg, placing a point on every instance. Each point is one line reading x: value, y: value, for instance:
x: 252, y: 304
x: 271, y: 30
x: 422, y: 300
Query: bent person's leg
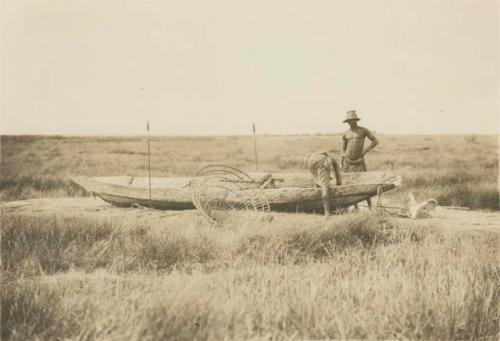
x: 368, y: 201
x: 325, y: 196
x: 321, y: 176
x: 324, y: 182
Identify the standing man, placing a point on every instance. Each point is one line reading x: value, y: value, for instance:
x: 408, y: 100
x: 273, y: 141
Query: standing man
x: 321, y: 165
x: 353, y: 150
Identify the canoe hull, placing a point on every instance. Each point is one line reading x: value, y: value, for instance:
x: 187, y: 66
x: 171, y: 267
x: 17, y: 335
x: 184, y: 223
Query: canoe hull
x: 292, y: 192
x: 127, y: 196
x: 121, y: 201
x: 309, y: 199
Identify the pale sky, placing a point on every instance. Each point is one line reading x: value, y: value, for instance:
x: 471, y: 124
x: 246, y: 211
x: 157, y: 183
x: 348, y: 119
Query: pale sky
x: 213, y: 67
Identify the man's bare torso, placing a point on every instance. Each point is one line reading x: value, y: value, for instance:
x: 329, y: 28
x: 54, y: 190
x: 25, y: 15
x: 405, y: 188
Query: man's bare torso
x: 355, y: 140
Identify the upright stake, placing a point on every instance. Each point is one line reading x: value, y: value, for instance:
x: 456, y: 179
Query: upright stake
x: 149, y: 167
x: 255, y: 148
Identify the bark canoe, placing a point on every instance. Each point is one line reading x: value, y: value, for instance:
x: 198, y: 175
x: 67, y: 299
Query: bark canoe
x: 287, y: 192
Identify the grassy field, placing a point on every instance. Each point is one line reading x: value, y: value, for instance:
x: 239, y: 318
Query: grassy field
x: 356, y: 276
x: 455, y: 170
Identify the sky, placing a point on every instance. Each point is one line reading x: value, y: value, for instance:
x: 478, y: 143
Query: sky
x: 214, y: 67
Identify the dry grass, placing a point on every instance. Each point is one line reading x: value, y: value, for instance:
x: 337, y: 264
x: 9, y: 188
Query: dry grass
x: 46, y: 245
x: 296, y: 277
x: 447, y: 168
x: 345, y: 278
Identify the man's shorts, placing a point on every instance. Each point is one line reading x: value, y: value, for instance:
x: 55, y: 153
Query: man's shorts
x: 354, y: 167
x: 319, y: 166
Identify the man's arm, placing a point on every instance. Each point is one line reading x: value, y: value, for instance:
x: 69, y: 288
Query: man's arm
x: 342, y: 150
x: 336, y: 170
x: 373, y: 144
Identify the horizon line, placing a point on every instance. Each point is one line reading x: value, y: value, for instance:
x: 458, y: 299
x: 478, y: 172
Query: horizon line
x: 246, y: 134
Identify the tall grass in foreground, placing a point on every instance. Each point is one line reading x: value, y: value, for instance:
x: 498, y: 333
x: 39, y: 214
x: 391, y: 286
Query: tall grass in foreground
x: 347, y: 278
x: 46, y: 245
x: 31, y: 310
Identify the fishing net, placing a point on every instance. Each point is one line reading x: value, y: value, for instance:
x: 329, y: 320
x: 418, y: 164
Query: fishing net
x: 383, y: 208
x: 226, y: 195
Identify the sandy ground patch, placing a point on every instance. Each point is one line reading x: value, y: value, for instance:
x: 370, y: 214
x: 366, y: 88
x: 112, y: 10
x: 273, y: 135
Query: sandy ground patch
x: 453, y: 220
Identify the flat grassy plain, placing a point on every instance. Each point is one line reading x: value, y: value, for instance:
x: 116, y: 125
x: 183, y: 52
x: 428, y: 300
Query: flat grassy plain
x: 358, y: 276
x: 448, y: 168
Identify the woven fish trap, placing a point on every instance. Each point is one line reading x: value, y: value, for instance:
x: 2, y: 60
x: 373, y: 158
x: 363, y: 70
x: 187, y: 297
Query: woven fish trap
x: 226, y: 195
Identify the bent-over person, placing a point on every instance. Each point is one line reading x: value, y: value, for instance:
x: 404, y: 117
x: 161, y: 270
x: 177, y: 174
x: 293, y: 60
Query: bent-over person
x: 321, y: 165
x: 353, y: 142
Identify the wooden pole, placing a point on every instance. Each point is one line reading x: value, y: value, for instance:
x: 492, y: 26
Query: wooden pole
x: 255, y: 147
x: 149, y: 167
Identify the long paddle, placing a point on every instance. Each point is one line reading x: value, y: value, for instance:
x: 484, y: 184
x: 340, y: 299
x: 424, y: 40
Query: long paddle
x: 149, y: 167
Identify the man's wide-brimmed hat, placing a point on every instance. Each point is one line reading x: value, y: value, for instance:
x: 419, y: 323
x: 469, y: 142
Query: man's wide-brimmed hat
x: 351, y: 115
